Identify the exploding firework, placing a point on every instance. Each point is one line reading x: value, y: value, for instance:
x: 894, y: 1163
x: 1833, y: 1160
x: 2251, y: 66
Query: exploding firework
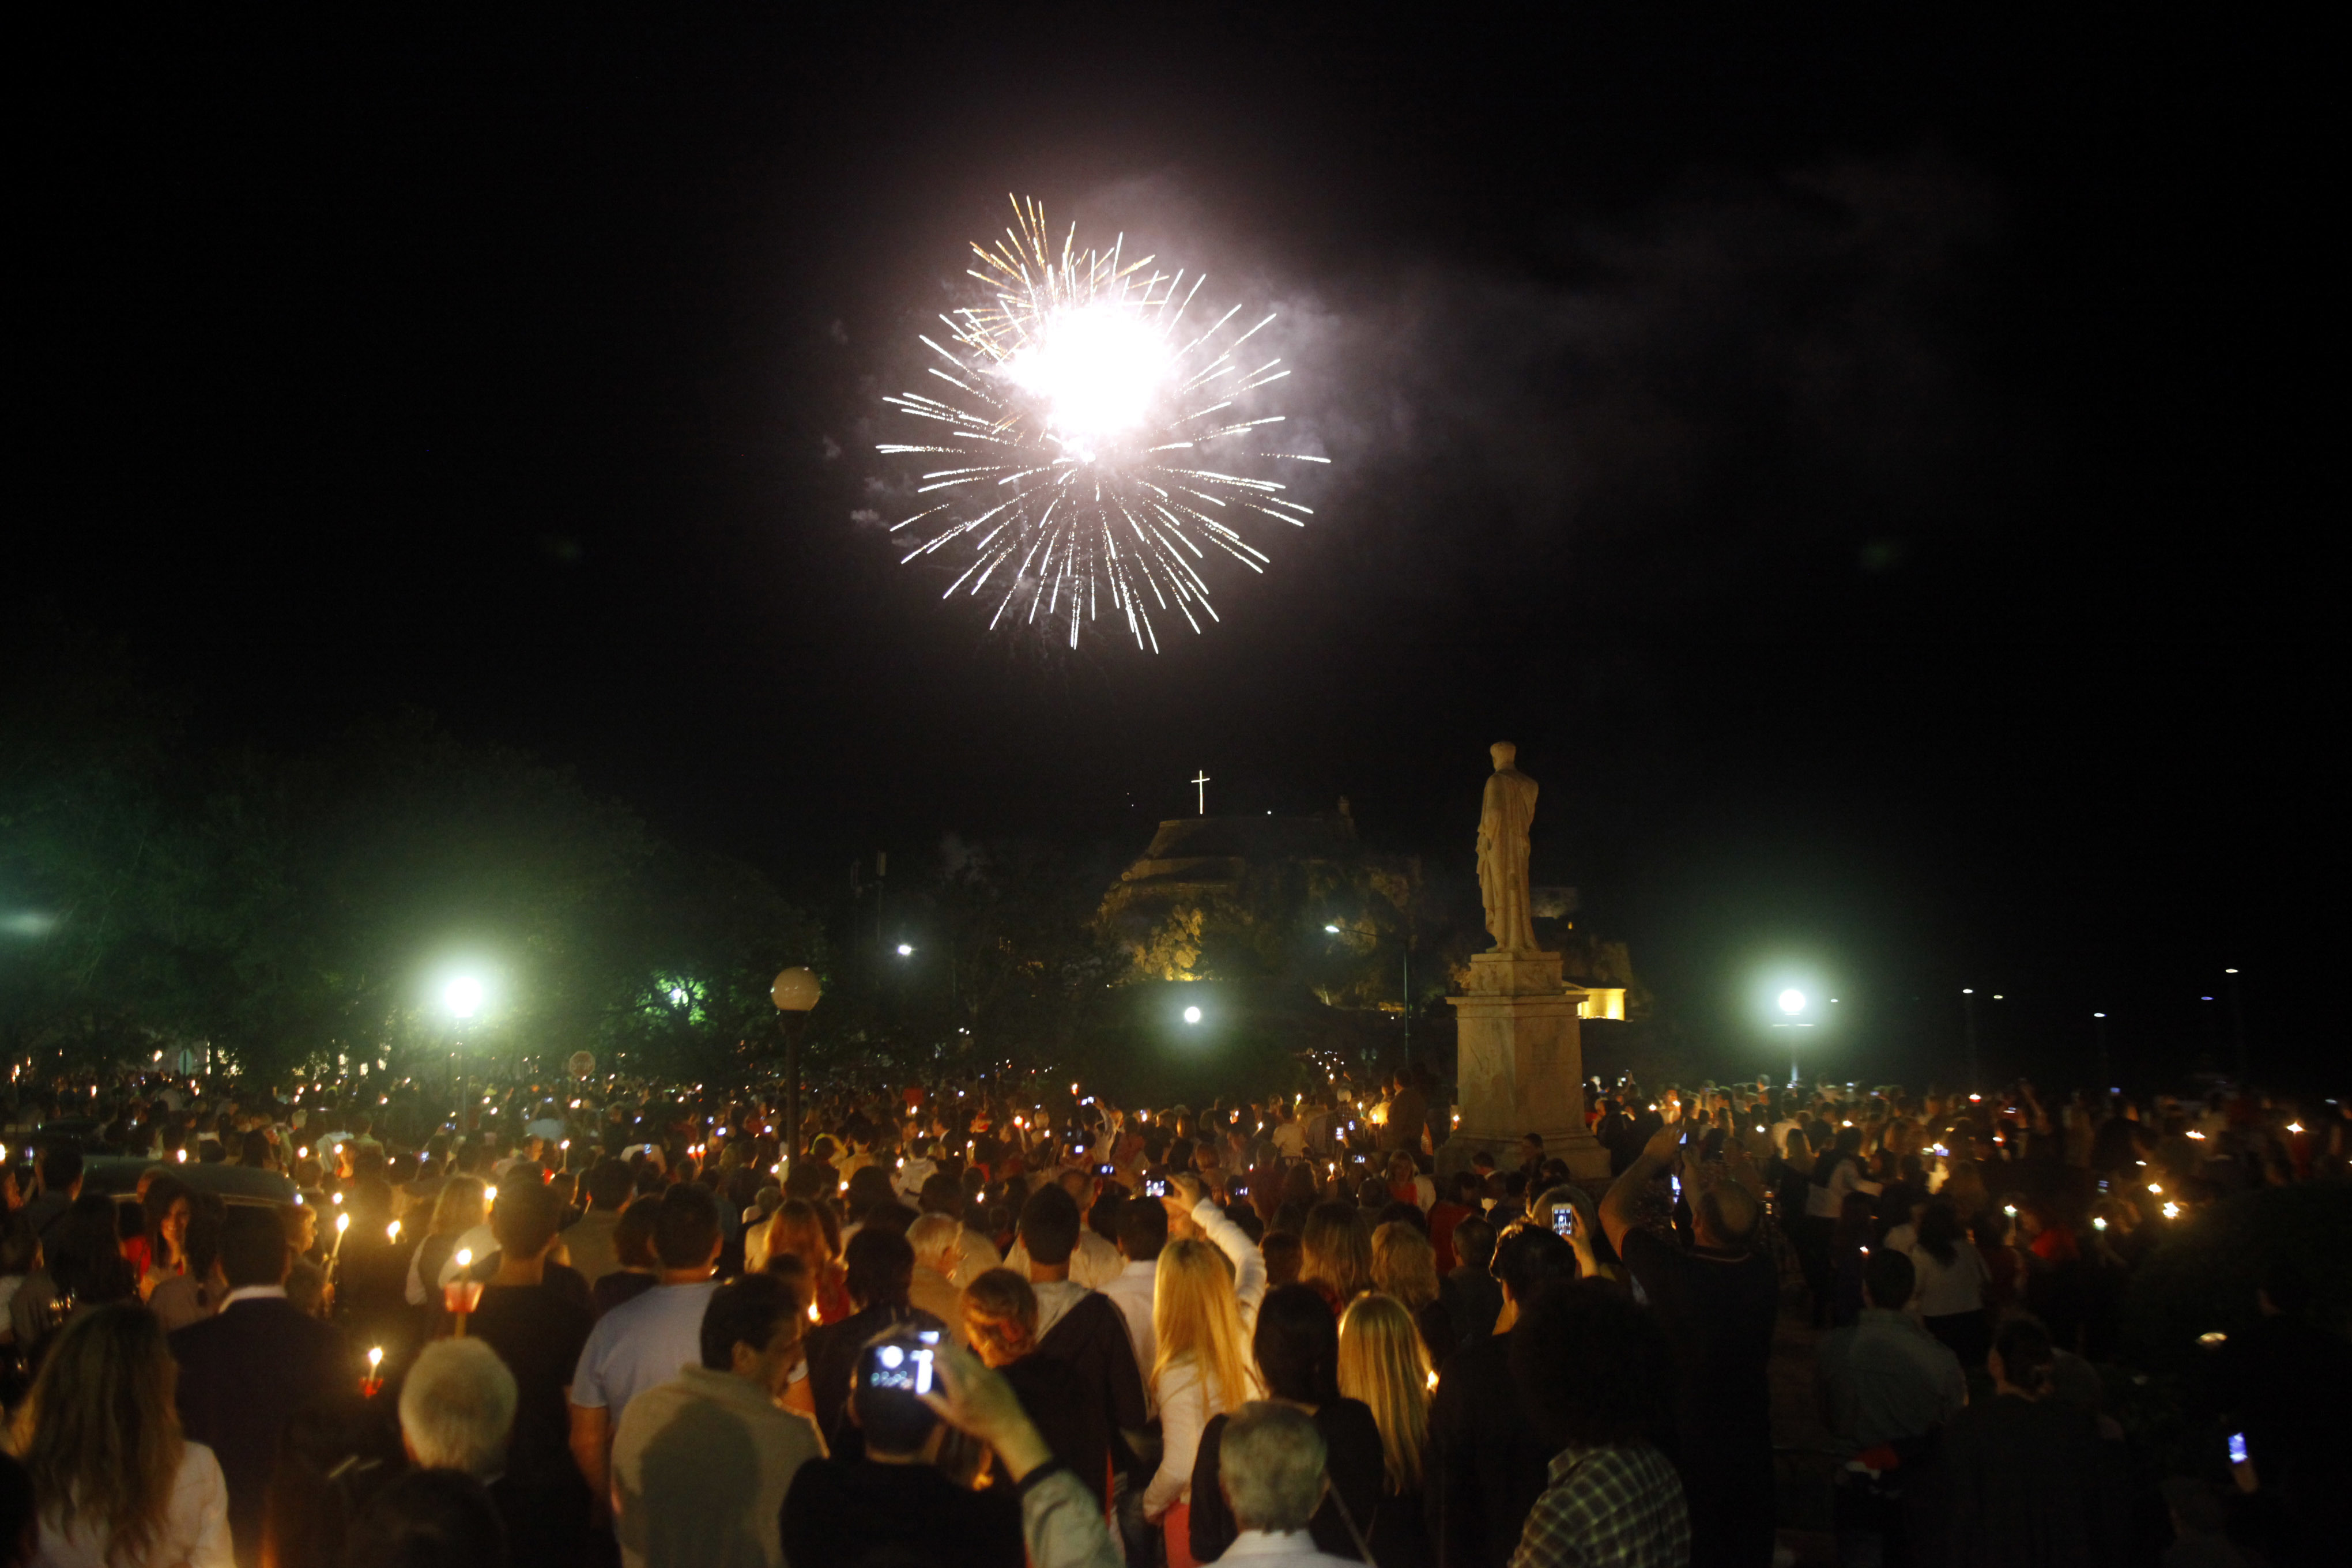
x: 1102, y: 440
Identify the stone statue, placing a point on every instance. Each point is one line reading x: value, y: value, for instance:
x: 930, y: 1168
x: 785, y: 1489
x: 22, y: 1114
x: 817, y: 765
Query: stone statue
x: 1503, y: 821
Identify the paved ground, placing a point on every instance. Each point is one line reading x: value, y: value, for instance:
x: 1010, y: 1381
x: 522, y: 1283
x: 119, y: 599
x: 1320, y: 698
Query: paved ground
x: 1805, y: 1468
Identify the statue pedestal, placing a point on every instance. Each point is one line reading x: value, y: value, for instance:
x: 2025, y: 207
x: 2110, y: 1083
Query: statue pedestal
x: 1521, y: 1067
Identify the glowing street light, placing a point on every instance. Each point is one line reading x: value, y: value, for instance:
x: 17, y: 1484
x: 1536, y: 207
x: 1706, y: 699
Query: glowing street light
x: 906, y: 950
x: 1192, y: 1014
x: 1792, y: 1002
x: 462, y: 996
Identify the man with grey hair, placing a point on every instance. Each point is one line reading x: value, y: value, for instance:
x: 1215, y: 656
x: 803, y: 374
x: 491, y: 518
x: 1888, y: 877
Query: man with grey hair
x: 1271, y: 1472
x: 938, y: 1241
x: 458, y: 1407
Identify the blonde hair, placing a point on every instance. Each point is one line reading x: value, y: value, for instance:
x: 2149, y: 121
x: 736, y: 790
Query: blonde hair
x: 1383, y: 1363
x: 1404, y: 1264
x: 1195, y: 1318
x: 464, y: 1204
x: 1000, y: 1316
x: 1335, y: 1251
x: 798, y: 1229
x: 99, y: 1437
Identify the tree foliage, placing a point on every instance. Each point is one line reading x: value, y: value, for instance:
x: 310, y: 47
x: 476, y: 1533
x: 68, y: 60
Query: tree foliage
x: 290, y: 911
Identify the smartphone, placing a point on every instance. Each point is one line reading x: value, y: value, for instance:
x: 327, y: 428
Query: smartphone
x: 1677, y: 1181
x: 1155, y: 1187
x: 896, y: 1366
x: 1563, y: 1219
x: 2237, y: 1447
x: 1102, y: 1169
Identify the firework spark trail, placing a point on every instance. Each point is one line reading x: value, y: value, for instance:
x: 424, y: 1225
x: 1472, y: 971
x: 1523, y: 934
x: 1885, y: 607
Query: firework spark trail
x: 1074, y: 455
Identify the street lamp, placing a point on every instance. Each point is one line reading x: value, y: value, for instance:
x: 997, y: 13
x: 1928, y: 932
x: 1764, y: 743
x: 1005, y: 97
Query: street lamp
x: 906, y: 950
x: 1192, y: 1014
x: 1792, y: 1003
x: 462, y: 996
x: 794, y: 992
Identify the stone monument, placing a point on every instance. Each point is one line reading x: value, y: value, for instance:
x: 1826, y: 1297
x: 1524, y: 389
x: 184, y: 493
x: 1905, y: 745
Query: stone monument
x: 1521, y: 1056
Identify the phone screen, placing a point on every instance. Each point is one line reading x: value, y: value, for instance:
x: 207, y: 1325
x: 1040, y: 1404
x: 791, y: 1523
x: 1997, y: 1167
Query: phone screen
x: 1677, y: 1181
x: 2237, y: 1447
x: 1563, y: 1219
x: 1102, y: 1169
x: 895, y: 1366
x: 1154, y: 1187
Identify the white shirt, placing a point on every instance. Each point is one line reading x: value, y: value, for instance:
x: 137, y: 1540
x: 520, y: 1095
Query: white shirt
x: 195, y: 1523
x: 1056, y: 1297
x: 1131, y: 1291
x: 1947, y: 1287
x: 1294, y: 1547
x: 1186, y: 1401
x: 1290, y: 1140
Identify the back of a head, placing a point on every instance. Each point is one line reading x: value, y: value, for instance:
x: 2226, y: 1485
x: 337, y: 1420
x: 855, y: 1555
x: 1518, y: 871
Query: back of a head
x: 1049, y: 1226
x: 609, y: 1183
x: 1890, y: 1278
x: 1142, y: 1230
x: 100, y: 1428
x: 1338, y: 1248
x: 891, y: 1417
x: 526, y: 1219
x: 1473, y: 1242
x: 458, y: 1407
x: 686, y: 1227
x: 881, y: 1267
x: 1404, y: 1264
x: 1529, y: 1258
x: 61, y: 1163
x: 253, y: 1250
x: 1591, y: 1366
x: 1283, y: 1256
x: 748, y: 1312
x: 429, y: 1518
x: 942, y: 1194
x: 2028, y: 1360
x: 1000, y: 1313
x: 869, y: 1186
x: 1297, y: 1343
x: 633, y: 1234
x: 933, y: 1234
x: 1271, y: 1466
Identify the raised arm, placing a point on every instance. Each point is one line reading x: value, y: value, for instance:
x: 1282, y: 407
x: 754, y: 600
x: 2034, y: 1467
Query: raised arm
x: 1620, y: 1210
x: 1186, y: 1200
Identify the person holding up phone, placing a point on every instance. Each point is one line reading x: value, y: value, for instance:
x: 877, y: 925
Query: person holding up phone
x: 894, y: 1496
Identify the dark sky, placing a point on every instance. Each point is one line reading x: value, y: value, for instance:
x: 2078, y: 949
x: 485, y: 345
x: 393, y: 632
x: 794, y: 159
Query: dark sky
x: 1862, y: 462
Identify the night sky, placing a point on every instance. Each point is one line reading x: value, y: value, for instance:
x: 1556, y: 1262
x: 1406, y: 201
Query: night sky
x: 1868, y: 465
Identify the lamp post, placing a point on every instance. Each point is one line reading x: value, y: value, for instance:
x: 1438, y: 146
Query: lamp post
x: 1968, y: 1006
x: 2237, y: 1020
x: 794, y: 992
x: 1791, y: 1003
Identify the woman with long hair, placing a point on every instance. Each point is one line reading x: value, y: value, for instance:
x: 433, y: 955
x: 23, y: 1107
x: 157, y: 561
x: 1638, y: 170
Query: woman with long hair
x: 1335, y: 1253
x: 1383, y: 1363
x: 160, y: 1251
x: 800, y: 1229
x: 114, y: 1482
x: 1951, y: 1296
x: 1404, y: 1266
x: 1205, y: 1296
x: 464, y: 1204
x: 1296, y: 1346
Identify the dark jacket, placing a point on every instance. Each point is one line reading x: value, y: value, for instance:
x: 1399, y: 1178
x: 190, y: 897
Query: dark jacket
x: 1353, y: 1461
x: 242, y: 1375
x: 833, y: 1353
x: 1091, y: 1339
x: 1487, y: 1463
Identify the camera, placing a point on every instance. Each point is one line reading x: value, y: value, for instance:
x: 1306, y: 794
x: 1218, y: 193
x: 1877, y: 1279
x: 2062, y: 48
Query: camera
x: 2237, y: 1447
x: 1563, y: 1220
x: 906, y: 1369
x: 1102, y: 1169
x: 1155, y: 1187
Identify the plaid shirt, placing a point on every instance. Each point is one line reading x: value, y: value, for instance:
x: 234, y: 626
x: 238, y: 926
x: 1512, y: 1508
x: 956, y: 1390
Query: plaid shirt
x: 1619, y: 1506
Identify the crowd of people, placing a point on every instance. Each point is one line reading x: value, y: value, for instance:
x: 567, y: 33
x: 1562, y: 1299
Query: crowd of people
x: 975, y: 1323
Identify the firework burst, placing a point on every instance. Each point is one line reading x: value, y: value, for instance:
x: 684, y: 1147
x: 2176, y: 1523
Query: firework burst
x: 1096, y: 441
